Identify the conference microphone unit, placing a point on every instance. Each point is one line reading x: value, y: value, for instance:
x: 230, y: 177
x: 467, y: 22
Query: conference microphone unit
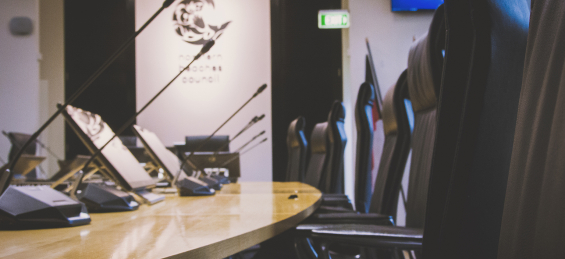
x: 190, y: 185
x: 214, y: 183
x: 46, y: 207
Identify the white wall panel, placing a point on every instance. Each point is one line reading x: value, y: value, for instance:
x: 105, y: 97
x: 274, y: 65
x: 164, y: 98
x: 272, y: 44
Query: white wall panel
x: 233, y: 70
x: 19, y: 72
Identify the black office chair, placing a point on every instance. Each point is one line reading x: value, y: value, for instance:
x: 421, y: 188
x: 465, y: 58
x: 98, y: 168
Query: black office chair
x: 297, y: 145
x: 318, y: 152
x: 391, y: 169
x: 332, y: 180
x: 395, y: 150
x: 475, y: 133
x: 533, y: 217
x: 364, y: 123
x: 421, y: 88
x: 319, y: 148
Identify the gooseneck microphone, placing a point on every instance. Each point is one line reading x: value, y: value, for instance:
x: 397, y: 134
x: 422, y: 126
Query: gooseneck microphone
x: 249, y: 142
x: 205, y: 141
x: 240, y: 154
x: 130, y: 121
x: 251, y: 123
x: 6, y: 176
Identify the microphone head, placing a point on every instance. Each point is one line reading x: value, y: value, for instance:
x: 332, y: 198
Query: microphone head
x: 261, y: 117
x: 207, y: 46
x: 168, y: 3
x: 265, y: 139
x: 262, y: 132
x: 262, y: 88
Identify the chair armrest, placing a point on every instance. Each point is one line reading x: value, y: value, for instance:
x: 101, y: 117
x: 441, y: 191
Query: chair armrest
x: 336, y: 200
x: 335, y: 195
x: 332, y: 209
x: 352, y: 218
x: 371, y: 236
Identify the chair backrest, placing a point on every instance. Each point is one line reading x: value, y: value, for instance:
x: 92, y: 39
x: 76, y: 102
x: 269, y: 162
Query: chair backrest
x: 332, y: 179
x: 476, y: 122
x: 533, y: 215
x: 318, y: 152
x: 395, y: 151
x: 422, y: 88
x: 218, y: 141
x: 364, y: 125
x: 297, y: 146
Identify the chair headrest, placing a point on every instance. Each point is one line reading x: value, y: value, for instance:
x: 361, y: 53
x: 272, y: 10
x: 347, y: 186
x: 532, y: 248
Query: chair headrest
x: 388, y: 113
x: 366, y: 95
x: 318, y: 139
x: 419, y: 77
x: 425, y: 64
x: 337, y: 112
x: 292, y: 137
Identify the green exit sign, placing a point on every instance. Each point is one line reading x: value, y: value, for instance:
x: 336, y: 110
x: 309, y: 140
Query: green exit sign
x: 333, y: 19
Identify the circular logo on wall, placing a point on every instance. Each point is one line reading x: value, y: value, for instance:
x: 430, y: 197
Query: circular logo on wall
x: 194, y: 21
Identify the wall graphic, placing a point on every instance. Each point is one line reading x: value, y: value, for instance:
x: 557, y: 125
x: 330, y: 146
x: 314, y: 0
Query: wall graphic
x: 216, y: 84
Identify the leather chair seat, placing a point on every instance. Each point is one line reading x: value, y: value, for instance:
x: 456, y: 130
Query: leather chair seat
x: 372, y: 235
x: 350, y: 218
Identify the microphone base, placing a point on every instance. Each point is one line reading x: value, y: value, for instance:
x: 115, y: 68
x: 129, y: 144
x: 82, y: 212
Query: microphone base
x: 103, y: 198
x: 149, y: 197
x: 221, y: 179
x: 213, y: 183
x: 29, y: 207
x: 190, y: 187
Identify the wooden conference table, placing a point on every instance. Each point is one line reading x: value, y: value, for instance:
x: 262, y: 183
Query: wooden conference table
x: 239, y: 216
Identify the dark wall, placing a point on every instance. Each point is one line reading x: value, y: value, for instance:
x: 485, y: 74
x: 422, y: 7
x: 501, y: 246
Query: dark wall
x: 306, y: 70
x: 94, y: 30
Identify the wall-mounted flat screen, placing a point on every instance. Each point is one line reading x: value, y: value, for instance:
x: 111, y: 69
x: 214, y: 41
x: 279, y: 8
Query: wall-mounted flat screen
x: 415, y: 5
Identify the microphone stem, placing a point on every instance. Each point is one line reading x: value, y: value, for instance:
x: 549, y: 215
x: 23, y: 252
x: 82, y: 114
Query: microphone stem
x: 236, y: 135
x: 75, y: 95
x: 249, y: 149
